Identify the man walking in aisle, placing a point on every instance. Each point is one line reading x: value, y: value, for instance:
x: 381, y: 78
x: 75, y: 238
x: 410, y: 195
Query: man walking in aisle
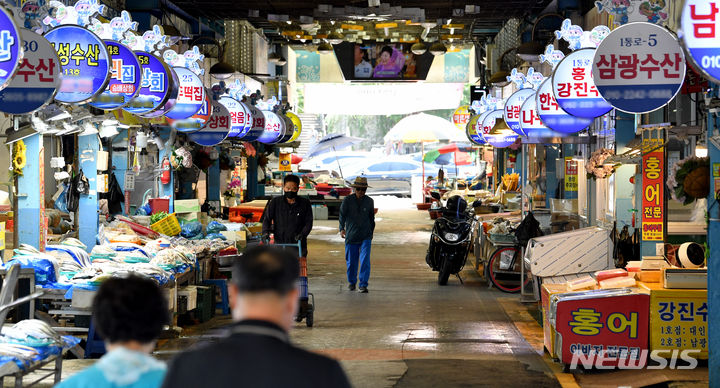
x: 289, y: 217
x: 357, y: 224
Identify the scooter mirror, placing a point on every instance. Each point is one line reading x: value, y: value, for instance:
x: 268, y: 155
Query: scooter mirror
x: 477, y: 203
x: 435, y: 195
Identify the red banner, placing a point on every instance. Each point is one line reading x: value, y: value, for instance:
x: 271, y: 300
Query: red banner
x: 653, y: 210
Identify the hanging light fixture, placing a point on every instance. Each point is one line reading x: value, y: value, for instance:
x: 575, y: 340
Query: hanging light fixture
x: 325, y: 48
x: 438, y: 48
x: 335, y: 38
x: 418, y: 48
x: 500, y: 76
x: 501, y: 135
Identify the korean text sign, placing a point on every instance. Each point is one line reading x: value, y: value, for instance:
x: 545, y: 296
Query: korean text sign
x: 125, y: 78
x: 653, y: 193
x: 37, y: 78
x: 84, y: 60
x: 553, y: 116
x: 531, y: 124
x: 639, y: 67
x: 700, y: 32
x: 461, y: 116
x: 571, y: 174
x: 574, y: 88
x: 616, y: 325
x: 155, y: 86
x: 678, y: 320
x: 10, y: 51
x: 512, y: 109
x: 197, y: 121
x: 191, y: 95
x: 239, y: 116
x: 216, y: 129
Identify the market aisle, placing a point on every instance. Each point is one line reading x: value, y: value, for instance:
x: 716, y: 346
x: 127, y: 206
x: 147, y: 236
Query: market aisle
x: 408, y: 331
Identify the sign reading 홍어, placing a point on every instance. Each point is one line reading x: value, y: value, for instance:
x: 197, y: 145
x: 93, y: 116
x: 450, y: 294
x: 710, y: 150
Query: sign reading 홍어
x: 653, y: 194
x: 700, y: 31
x: 10, y: 52
x: 461, y: 116
x: 217, y: 127
x: 553, y: 116
x: 37, y: 78
x: 125, y: 79
x: 512, y: 108
x: 191, y: 94
x: 573, y: 86
x: 639, y: 67
x: 84, y: 60
x: 155, y: 85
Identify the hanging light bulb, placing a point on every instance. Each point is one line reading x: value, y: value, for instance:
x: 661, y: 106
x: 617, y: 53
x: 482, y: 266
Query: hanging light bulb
x: 501, y: 135
x: 324, y: 48
x: 438, y: 48
x: 418, y: 48
x: 335, y: 38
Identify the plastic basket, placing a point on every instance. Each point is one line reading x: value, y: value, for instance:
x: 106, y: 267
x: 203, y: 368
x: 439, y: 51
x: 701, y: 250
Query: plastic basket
x: 168, y: 226
x: 159, y: 205
x: 504, y: 238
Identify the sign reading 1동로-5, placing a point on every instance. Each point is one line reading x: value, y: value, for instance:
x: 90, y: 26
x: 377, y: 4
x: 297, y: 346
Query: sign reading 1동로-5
x: 37, y: 79
x: 700, y: 33
x: 639, y: 67
x: 84, y: 60
x: 10, y: 52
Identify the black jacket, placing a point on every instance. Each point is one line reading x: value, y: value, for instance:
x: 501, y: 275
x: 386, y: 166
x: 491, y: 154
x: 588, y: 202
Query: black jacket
x: 257, y: 354
x: 357, y: 218
x: 287, y: 221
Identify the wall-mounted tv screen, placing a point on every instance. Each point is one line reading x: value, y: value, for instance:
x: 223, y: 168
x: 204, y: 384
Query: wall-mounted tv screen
x: 377, y: 61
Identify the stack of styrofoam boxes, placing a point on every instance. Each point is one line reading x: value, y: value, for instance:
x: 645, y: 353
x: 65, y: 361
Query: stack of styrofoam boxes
x: 187, y: 210
x: 190, y: 293
x: 320, y: 212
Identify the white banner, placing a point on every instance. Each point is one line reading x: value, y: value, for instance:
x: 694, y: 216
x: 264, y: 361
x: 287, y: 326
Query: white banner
x: 380, y: 99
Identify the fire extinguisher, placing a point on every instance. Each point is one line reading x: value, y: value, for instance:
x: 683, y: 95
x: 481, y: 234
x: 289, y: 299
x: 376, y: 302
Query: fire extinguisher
x: 165, y: 177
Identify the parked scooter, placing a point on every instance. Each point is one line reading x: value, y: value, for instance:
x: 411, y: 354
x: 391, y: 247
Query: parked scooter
x: 451, y: 238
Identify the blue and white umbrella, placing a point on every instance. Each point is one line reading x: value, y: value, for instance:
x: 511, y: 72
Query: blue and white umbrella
x: 332, y: 142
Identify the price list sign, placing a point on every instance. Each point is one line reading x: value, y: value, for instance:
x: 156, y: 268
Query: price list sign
x: 574, y: 88
x: 639, y: 67
x: 653, y: 194
x: 84, y: 60
x: 700, y: 33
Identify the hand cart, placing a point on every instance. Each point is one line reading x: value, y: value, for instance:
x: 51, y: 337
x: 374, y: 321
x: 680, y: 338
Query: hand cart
x: 307, y: 299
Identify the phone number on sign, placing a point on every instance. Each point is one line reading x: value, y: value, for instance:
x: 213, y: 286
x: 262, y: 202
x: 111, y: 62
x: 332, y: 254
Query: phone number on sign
x: 638, y: 94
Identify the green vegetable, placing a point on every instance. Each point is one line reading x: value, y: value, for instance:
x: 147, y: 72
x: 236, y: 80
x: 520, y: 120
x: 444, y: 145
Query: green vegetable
x: 157, y: 217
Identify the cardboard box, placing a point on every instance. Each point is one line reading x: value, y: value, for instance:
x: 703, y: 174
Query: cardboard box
x: 190, y: 292
x: 187, y: 206
x: 678, y: 319
x: 188, y: 217
x: 255, y: 228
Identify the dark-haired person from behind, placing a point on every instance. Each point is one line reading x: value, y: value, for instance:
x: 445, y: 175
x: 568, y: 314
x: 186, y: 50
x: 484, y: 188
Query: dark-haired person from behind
x: 129, y: 314
x: 289, y: 217
x: 257, y: 351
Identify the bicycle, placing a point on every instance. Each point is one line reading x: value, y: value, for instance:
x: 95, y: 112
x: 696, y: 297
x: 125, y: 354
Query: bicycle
x: 504, y: 269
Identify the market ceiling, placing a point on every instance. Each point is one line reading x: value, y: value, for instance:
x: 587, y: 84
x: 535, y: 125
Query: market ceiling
x: 479, y: 22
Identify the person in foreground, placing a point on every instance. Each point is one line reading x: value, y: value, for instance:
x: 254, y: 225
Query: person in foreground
x: 129, y: 314
x: 257, y: 351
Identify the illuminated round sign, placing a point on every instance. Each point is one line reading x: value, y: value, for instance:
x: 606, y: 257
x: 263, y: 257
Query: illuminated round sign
x: 274, y: 128
x: 10, y: 52
x: 289, y: 129
x: 197, y: 121
x: 217, y: 128
x: 125, y: 78
x: 157, y: 85
x: 297, y: 126
x: 461, y: 116
x: 257, y: 126
x: 639, y: 67
x: 512, y: 108
x: 238, y: 116
x: 84, y: 60
x: 191, y: 94
x: 700, y: 33
x: 574, y: 88
x: 489, y: 121
x: 471, y: 130
x: 533, y: 127
x: 553, y: 116
x: 36, y: 80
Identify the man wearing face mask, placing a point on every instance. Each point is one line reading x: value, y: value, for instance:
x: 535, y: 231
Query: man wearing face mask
x: 288, y: 217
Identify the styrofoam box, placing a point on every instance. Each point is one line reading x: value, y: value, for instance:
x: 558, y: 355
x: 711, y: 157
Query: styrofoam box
x: 171, y: 296
x: 320, y: 213
x: 190, y: 292
x: 82, y: 298
x: 186, y: 206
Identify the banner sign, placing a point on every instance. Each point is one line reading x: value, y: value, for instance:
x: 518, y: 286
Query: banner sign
x: 239, y: 117
x: 461, y: 116
x: 639, y: 67
x: 155, y: 87
x: 36, y: 80
x: 197, y: 121
x: 555, y: 117
x: 125, y: 79
x: 571, y: 174
x: 700, y: 23
x: 573, y: 86
x: 191, y: 94
x: 10, y: 52
x: 532, y: 126
x: 653, y: 197
x: 217, y: 128
x: 512, y: 108
x: 84, y: 60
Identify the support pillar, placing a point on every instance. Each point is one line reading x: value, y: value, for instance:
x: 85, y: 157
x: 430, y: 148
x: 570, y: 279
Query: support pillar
x: 88, y: 147
x: 30, y: 217
x: 713, y: 263
x: 166, y: 190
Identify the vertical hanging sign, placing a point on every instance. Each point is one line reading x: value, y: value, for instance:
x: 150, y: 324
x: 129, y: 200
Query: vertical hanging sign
x: 571, y: 175
x: 653, y: 194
